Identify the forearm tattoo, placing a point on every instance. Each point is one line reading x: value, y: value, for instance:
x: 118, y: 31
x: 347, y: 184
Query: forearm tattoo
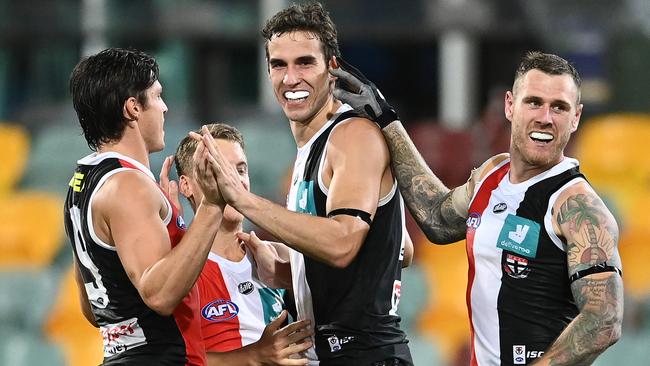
x: 427, y: 198
x: 592, y: 238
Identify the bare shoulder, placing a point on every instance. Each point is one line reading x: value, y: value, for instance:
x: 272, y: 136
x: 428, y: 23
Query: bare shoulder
x: 355, y: 128
x: 359, y: 136
x: 491, y: 163
x: 128, y: 190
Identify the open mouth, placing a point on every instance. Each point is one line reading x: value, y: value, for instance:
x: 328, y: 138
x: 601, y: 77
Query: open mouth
x: 541, y: 137
x: 296, y: 96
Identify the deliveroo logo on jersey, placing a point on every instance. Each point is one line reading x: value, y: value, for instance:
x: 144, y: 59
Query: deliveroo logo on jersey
x: 272, y: 303
x: 305, y: 198
x: 520, y: 236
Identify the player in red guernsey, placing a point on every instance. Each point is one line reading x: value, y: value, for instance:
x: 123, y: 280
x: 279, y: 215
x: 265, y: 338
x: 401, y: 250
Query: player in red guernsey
x: 240, y: 316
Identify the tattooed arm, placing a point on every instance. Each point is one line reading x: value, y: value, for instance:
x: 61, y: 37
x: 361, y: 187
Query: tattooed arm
x: 439, y: 212
x: 591, y: 234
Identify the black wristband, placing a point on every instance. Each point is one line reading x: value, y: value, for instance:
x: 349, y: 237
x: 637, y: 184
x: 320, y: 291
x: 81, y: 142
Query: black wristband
x: 363, y: 215
x: 598, y: 268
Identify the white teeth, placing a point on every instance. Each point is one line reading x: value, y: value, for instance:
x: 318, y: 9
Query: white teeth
x: 541, y: 136
x: 296, y: 95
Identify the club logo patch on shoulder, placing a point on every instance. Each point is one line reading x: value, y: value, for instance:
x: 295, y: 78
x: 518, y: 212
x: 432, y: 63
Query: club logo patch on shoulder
x: 499, y: 207
x: 473, y: 221
x: 516, y: 267
x: 245, y: 288
x: 220, y: 310
x: 520, y: 236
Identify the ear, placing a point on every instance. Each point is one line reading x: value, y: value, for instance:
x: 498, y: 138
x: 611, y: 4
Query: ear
x: 576, y: 120
x: 184, y: 186
x: 131, y: 109
x: 332, y: 64
x: 508, y: 105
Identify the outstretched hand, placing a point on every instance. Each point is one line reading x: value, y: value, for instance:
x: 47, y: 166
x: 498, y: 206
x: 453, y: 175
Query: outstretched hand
x: 353, y: 88
x: 225, y: 174
x: 278, y: 346
x: 204, y: 174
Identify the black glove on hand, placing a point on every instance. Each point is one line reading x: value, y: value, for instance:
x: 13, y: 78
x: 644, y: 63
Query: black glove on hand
x: 353, y: 88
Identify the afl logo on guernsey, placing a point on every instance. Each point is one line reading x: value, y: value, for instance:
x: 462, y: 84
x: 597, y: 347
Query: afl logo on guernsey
x: 220, y: 310
x: 473, y: 221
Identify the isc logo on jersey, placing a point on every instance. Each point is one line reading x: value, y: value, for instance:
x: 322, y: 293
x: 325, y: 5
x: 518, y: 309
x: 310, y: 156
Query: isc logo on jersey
x: 220, y: 310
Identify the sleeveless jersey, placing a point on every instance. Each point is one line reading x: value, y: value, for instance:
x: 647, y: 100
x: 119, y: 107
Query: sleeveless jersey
x: 518, y: 293
x: 354, y: 308
x: 235, y: 304
x: 133, y: 333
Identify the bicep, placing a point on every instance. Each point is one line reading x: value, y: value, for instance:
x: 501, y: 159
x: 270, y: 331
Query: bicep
x: 137, y: 231
x: 591, y: 235
x: 357, y: 170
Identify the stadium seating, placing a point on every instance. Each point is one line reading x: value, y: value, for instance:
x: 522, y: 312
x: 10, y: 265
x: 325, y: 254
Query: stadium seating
x: 19, y: 348
x: 31, y: 229
x: 14, y: 149
x: 66, y: 326
x: 445, y: 318
x: 612, y: 150
x: 414, y: 298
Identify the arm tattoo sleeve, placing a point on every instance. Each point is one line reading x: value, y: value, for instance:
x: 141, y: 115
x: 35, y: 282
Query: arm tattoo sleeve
x: 592, y: 236
x: 427, y: 198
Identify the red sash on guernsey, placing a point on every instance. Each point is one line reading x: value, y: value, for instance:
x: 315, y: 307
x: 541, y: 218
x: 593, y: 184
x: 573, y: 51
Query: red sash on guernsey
x: 186, y: 313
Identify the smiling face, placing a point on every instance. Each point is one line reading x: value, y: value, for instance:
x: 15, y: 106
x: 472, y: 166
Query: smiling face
x: 234, y: 153
x: 299, y: 75
x: 544, y: 111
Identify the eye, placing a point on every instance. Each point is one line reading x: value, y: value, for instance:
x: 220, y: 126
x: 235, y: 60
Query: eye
x: 560, y: 108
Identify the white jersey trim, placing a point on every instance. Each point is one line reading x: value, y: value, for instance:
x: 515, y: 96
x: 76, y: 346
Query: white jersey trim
x: 95, y: 159
x: 548, y: 217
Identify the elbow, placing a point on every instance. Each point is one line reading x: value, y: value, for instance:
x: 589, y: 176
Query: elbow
x: 609, y: 332
x: 341, y: 262
x: 612, y: 332
x: 344, y: 256
x: 439, y: 237
x: 161, y: 305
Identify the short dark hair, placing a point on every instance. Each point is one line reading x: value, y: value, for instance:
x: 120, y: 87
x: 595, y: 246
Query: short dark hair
x: 548, y: 64
x: 311, y: 18
x: 187, y: 146
x: 101, y: 83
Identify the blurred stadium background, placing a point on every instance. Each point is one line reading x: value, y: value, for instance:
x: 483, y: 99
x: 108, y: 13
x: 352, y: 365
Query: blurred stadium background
x: 444, y: 64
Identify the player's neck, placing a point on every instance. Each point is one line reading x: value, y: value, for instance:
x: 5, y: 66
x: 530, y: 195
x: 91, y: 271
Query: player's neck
x: 226, y: 245
x: 521, y: 171
x: 129, y: 145
x: 304, y: 131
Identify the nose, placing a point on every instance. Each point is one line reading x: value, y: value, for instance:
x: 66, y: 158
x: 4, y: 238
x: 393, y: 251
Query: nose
x: 547, y: 116
x: 292, y: 76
